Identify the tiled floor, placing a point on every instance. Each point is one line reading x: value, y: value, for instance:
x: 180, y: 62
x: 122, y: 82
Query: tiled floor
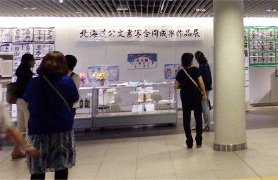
x: 165, y: 156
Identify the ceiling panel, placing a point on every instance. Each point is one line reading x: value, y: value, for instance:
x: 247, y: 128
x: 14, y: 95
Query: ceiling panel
x: 128, y: 8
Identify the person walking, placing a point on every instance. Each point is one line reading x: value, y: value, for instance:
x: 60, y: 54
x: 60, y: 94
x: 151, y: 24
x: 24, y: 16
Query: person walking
x: 71, y: 62
x: 206, y: 75
x: 14, y: 134
x: 49, y: 97
x: 24, y: 74
x: 192, y: 91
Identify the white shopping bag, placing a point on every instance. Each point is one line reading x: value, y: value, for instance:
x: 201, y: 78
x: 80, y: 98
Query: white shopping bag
x: 150, y: 106
x: 137, y: 108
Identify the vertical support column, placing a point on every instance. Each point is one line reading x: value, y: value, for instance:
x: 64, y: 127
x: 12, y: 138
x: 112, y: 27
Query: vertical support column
x: 229, y: 101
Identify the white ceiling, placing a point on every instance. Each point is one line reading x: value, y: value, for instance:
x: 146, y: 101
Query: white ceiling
x: 127, y: 8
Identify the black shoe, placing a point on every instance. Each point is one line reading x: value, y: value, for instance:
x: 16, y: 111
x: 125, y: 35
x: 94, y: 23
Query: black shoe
x: 199, y: 146
x: 189, y: 144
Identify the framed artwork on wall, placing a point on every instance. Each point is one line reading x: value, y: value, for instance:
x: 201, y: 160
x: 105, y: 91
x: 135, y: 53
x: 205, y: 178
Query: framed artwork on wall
x: 142, y: 61
x: 34, y: 40
x: 262, y: 44
x: 171, y: 70
x: 103, y: 72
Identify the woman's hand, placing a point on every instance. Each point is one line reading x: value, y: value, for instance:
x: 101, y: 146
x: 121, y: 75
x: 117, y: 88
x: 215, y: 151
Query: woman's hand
x: 32, y: 151
x: 205, y: 97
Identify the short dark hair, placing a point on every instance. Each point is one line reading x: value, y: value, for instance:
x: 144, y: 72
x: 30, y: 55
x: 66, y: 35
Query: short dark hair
x: 200, y: 57
x: 27, y: 57
x: 186, y: 59
x: 71, y: 61
x: 53, y: 63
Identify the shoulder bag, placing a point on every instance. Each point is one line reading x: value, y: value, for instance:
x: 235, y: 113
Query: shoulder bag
x: 11, y: 93
x: 61, y: 96
x: 193, y: 81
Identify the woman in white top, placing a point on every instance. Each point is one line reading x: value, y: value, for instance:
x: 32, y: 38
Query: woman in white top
x: 72, y: 61
x: 14, y: 134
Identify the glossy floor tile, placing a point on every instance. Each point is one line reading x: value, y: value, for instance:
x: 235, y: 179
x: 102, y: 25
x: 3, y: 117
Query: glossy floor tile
x: 163, y: 155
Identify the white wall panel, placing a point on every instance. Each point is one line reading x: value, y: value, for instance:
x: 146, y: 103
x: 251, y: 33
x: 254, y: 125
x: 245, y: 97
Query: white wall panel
x: 263, y: 84
x: 274, y: 86
x: 260, y: 84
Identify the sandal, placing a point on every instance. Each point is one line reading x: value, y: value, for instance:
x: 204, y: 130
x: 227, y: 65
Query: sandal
x: 17, y: 155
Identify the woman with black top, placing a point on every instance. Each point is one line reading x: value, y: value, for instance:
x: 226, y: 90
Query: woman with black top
x: 71, y: 62
x: 24, y: 75
x: 206, y: 75
x: 187, y: 80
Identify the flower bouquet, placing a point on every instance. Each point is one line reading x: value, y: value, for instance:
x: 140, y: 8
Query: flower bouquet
x: 100, y: 77
x: 83, y: 77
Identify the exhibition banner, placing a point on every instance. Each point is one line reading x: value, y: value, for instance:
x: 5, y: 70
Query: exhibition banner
x: 142, y: 61
x: 171, y: 70
x: 134, y: 33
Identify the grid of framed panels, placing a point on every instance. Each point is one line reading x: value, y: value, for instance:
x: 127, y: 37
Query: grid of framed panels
x: 34, y: 40
x: 262, y: 42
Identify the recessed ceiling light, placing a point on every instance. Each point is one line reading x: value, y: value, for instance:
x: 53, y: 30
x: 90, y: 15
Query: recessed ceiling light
x: 28, y: 8
x: 122, y: 8
x: 201, y: 10
x: 271, y: 10
x: 61, y: 1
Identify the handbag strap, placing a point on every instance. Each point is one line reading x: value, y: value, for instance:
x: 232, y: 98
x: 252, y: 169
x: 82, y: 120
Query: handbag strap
x: 72, y: 74
x: 192, y: 80
x: 61, y: 96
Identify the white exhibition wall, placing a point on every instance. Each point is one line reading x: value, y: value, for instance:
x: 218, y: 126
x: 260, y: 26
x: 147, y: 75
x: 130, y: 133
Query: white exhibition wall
x: 263, y: 85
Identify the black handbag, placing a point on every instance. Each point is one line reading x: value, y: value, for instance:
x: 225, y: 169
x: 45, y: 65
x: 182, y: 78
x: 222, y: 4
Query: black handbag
x: 209, y: 105
x: 11, y: 93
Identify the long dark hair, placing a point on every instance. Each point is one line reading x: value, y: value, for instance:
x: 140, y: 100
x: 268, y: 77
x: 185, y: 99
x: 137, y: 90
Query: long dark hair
x: 200, y: 57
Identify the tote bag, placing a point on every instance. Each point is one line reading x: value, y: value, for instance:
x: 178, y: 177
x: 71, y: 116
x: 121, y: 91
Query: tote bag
x: 10, y: 94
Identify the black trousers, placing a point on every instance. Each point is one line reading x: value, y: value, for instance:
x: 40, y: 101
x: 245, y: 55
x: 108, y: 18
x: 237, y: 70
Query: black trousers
x: 186, y: 124
x: 59, y: 175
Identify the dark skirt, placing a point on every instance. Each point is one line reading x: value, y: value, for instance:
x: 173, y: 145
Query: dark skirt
x: 57, y: 152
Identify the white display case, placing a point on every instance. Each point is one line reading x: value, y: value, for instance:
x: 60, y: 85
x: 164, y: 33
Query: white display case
x: 126, y: 106
x: 129, y: 105
x: 83, y: 118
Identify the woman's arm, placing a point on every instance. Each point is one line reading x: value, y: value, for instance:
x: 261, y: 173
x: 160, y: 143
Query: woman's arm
x: 201, y: 82
x: 15, y: 135
x: 177, y: 86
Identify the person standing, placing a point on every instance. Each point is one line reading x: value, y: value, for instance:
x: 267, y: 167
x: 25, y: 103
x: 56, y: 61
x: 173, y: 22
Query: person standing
x: 49, y: 97
x: 192, y: 91
x: 24, y: 75
x: 206, y: 75
x: 71, y: 62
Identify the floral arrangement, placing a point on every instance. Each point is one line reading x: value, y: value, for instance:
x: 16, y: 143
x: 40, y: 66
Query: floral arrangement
x: 83, y: 77
x: 100, y: 76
